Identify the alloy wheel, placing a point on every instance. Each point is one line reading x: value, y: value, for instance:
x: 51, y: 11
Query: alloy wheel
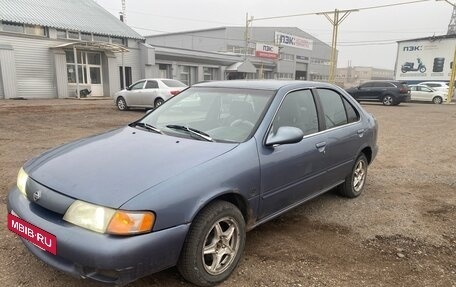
x: 359, y: 176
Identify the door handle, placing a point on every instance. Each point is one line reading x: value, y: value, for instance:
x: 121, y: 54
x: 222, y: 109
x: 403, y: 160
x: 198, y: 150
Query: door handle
x: 360, y: 132
x: 321, y: 147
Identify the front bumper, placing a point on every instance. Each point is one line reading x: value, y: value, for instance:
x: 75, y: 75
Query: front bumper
x: 105, y: 258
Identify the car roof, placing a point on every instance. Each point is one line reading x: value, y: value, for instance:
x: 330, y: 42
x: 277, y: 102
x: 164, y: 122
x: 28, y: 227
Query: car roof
x: 442, y: 83
x: 261, y: 84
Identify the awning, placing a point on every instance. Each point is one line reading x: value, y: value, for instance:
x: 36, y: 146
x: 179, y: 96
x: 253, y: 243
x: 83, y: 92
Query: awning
x: 243, y: 67
x: 114, y: 48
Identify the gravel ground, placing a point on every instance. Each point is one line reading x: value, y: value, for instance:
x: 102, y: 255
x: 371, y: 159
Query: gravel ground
x: 400, y: 232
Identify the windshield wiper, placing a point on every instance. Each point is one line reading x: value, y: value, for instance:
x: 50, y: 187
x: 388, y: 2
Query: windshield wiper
x: 147, y: 127
x: 192, y: 131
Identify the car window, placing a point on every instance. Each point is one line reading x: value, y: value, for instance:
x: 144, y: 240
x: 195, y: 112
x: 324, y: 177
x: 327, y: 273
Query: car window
x: 366, y: 85
x: 414, y: 88
x: 137, y: 86
x: 433, y: 85
x: 174, y: 84
x: 333, y: 108
x: 383, y: 85
x: 225, y: 114
x: 352, y: 113
x: 297, y: 110
x: 151, y: 85
x: 424, y: 89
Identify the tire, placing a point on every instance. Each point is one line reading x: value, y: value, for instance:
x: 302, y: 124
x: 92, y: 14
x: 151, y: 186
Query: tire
x: 437, y: 100
x: 388, y: 100
x: 404, y: 70
x: 121, y: 104
x: 158, y: 102
x: 355, y: 182
x: 199, y: 268
x: 422, y: 69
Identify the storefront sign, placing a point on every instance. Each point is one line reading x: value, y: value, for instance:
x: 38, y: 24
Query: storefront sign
x: 266, y: 51
x: 283, y: 39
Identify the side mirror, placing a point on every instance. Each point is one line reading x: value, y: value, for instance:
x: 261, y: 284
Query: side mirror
x: 285, y: 135
x: 149, y: 111
x: 128, y: 88
x: 358, y: 87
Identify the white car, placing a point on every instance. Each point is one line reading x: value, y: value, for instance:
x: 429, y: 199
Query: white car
x: 438, y: 86
x: 427, y: 94
x: 148, y: 93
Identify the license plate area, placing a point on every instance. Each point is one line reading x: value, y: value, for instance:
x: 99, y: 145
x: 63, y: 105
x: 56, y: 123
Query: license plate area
x: 35, y: 235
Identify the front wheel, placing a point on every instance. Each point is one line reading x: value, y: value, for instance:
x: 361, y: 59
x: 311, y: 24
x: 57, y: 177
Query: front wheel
x: 214, y: 244
x: 388, y: 100
x: 354, y: 183
x: 437, y: 100
x: 422, y: 69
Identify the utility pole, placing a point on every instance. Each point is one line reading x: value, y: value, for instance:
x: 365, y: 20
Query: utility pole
x: 248, y: 22
x: 336, y: 20
x: 123, y: 14
x: 453, y: 69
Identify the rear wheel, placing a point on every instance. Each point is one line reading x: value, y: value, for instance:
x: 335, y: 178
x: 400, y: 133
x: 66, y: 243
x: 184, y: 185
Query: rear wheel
x: 121, y: 104
x: 214, y: 244
x: 158, y: 102
x: 437, y: 100
x: 388, y: 100
x: 354, y: 183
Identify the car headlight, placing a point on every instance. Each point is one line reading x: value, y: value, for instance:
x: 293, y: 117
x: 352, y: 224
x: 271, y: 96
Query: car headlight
x: 107, y: 220
x: 22, y: 178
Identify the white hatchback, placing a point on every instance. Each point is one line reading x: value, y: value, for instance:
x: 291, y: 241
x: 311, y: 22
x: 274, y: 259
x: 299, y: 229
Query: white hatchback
x: 148, y: 93
x: 427, y: 94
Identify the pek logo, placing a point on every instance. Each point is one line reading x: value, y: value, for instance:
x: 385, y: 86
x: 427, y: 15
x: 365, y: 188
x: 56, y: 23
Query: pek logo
x: 286, y: 39
x: 412, y: 48
x: 267, y: 48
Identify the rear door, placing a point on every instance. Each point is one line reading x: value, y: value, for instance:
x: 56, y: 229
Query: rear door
x: 292, y: 172
x: 343, y: 135
x: 150, y: 93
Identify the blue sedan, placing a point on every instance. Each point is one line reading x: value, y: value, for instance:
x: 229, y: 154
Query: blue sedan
x: 182, y: 185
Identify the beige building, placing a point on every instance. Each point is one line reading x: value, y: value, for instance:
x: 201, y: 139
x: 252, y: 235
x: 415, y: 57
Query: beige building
x: 353, y: 76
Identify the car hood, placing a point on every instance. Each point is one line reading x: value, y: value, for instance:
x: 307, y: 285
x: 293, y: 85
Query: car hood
x: 111, y: 168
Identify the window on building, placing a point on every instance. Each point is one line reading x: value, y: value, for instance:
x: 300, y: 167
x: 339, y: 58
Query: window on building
x: 210, y: 73
x: 240, y: 50
x: 286, y: 57
x: 12, y: 27
x: 285, y: 76
x: 100, y: 38
x: 35, y: 30
x: 165, y: 71
x: 86, y: 36
x: 71, y: 71
x: 187, y: 75
x: 61, y: 34
x: 73, y: 35
x: 94, y: 58
x: 117, y: 40
x: 127, y: 77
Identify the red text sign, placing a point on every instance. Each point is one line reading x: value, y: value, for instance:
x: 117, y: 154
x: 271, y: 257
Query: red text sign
x: 35, y: 235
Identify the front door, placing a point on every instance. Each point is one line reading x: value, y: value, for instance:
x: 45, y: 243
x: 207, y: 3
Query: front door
x: 94, y: 73
x: 290, y: 173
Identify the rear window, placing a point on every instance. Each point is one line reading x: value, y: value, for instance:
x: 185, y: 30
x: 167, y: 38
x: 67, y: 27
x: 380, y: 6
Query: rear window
x: 174, y: 84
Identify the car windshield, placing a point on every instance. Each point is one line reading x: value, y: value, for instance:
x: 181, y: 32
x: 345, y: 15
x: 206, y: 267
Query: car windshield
x: 174, y: 84
x: 215, y: 114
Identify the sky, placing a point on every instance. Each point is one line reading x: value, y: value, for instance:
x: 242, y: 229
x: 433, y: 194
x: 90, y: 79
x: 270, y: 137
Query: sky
x: 366, y: 38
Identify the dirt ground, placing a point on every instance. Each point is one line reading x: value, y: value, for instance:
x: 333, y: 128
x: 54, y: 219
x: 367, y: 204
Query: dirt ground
x: 400, y: 232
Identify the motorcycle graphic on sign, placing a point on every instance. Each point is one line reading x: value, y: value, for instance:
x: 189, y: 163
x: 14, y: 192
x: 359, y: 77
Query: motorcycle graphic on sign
x: 410, y: 67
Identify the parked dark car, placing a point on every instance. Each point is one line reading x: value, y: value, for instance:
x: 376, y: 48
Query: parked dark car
x: 390, y: 93
x: 182, y: 185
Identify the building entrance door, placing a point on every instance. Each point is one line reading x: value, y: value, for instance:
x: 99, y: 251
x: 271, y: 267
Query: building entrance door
x: 94, y: 73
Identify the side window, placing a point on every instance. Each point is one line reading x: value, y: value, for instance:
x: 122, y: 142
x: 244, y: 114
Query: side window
x: 424, y: 89
x: 333, y: 108
x: 352, y: 113
x: 414, y: 88
x: 138, y: 86
x: 367, y: 85
x: 297, y: 110
x: 151, y: 85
